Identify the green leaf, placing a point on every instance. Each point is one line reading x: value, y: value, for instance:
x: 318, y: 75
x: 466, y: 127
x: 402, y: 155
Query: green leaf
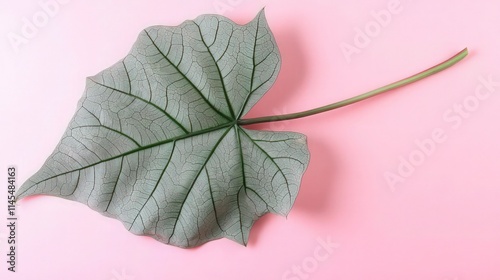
x: 156, y: 144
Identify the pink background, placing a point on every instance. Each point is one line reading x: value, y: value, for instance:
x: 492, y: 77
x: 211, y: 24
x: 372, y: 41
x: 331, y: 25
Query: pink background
x: 442, y: 222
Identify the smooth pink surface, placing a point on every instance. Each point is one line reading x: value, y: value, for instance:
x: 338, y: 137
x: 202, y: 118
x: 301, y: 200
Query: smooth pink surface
x: 442, y: 222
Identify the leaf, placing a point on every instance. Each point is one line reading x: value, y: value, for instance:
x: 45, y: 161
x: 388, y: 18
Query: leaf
x: 156, y: 144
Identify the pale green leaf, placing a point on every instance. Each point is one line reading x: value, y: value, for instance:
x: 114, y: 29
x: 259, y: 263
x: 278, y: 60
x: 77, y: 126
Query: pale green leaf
x: 155, y: 141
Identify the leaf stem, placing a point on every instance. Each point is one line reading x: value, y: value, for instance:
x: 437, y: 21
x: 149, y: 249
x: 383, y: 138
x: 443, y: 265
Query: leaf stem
x: 417, y: 77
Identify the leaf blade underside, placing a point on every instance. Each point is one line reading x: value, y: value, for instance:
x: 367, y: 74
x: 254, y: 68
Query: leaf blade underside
x: 155, y: 141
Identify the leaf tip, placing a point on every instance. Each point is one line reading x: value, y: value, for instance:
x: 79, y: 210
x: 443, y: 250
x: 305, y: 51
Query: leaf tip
x: 262, y: 13
x: 21, y: 193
